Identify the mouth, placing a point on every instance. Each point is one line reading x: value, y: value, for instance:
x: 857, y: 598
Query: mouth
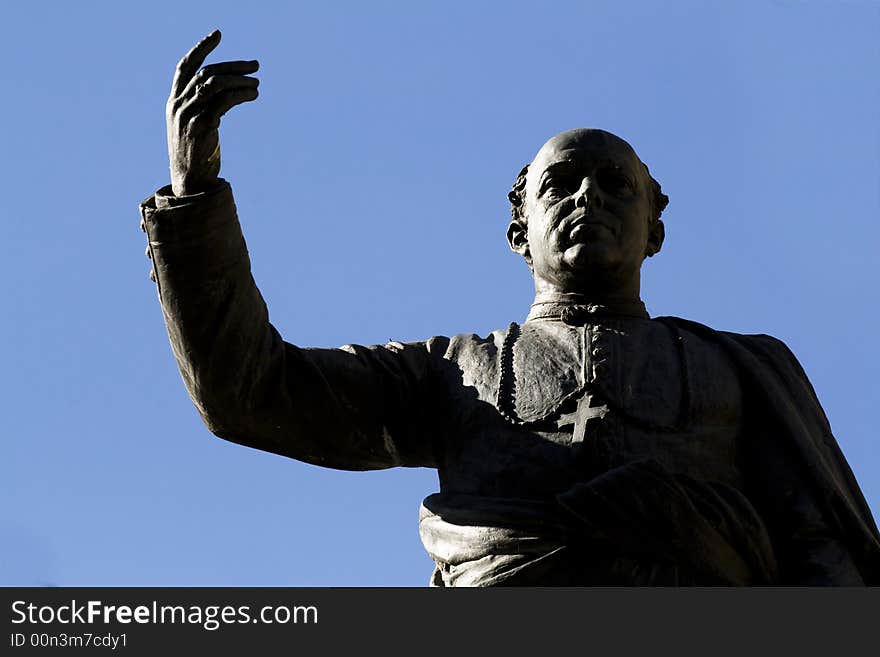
x: 581, y: 230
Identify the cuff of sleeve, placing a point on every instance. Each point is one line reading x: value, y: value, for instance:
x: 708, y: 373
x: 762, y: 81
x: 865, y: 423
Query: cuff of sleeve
x: 165, y: 198
x: 197, y: 233
x: 170, y: 218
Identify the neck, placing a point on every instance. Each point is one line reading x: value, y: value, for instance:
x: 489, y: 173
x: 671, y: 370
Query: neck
x: 554, y: 301
x: 605, y: 295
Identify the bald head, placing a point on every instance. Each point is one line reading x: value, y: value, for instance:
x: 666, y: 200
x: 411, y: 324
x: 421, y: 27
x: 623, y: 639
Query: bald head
x: 592, y: 139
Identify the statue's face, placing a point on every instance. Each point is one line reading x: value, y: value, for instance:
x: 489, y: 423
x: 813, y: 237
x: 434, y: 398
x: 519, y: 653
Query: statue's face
x: 588, y: 210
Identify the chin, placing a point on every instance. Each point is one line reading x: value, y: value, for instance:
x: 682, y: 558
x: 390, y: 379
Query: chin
x: 591, y: 258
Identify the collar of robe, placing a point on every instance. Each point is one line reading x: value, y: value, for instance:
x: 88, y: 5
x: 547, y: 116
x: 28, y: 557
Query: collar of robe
x: 577, y: 309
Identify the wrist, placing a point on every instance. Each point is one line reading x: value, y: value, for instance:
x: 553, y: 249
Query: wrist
x: 181, y: 186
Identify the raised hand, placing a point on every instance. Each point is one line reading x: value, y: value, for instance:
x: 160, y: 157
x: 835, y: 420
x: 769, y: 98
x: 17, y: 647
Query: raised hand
x: 199, y: 98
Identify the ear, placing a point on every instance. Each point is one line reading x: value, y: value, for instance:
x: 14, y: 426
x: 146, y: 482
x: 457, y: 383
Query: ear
x: 518, y: 238
x: 656, y: 233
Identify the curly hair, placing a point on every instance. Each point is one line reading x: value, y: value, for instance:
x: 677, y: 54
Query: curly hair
x: 517, y: 196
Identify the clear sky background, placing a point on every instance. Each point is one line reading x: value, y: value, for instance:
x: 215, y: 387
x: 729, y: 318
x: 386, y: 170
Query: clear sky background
x: 371, y: 178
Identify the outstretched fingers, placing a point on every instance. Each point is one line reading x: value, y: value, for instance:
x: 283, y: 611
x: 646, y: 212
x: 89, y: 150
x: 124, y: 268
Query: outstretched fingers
x: 223, y: 69
x: 225, y: 101
x: 192, y: 61
x: 214, y: 92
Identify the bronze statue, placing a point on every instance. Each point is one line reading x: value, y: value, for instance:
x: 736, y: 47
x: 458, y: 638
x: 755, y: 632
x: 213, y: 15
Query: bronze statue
x: 589, y: 445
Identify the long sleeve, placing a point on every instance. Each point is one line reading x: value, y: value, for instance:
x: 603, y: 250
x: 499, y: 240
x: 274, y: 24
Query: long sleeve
x: 354, y: 408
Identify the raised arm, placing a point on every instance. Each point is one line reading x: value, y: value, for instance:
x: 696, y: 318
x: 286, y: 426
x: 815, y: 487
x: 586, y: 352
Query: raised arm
x: 352, y: 408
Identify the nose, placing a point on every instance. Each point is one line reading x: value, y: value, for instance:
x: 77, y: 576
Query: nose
x: 587, y: 195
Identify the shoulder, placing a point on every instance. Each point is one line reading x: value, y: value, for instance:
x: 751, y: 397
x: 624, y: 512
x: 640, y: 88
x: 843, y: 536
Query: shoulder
x: 472, y: 360
x: 762, y: 357
x: 752, y: 352
x: 471, y: 345
x: 461, y: 347
x: 757, y: 343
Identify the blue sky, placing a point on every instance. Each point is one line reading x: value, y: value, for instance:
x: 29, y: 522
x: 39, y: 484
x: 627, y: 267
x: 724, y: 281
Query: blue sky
x: 371, y: 178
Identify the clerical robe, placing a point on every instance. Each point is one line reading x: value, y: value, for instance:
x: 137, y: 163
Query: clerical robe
x: 588, y: 445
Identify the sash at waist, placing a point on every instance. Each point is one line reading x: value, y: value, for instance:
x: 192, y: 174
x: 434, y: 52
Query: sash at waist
x: 638, y: 517
x: 483, y: 541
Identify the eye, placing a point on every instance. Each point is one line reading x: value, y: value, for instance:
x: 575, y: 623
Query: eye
x: 555, y: 187
x: 616, y: 182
